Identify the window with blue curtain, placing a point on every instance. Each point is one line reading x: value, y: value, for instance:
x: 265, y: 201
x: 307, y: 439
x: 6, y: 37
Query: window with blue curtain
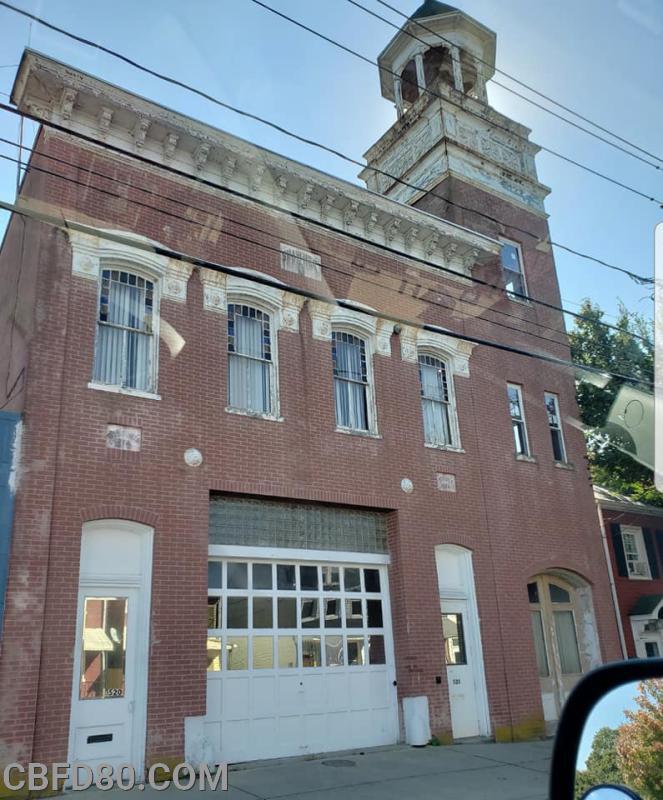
x: 250, y: 362
x: 350, y: 381
x: 435, y: 400
x: 124, y: 353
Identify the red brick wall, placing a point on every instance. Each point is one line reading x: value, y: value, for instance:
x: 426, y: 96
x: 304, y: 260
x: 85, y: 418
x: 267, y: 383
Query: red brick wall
x: 628, y: 590
x: 519, y: 519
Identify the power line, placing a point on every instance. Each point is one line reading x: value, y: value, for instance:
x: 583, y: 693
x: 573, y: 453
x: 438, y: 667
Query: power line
x: 421, y: 25
x: 359, y: 55
x: 328, y: 267
x: 634, y: 276
x: 67, y: 225
x: 325, y: 226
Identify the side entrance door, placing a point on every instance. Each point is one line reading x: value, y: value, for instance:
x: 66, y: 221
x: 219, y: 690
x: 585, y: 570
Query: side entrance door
x: 461, y: 663
x: 104, y: 696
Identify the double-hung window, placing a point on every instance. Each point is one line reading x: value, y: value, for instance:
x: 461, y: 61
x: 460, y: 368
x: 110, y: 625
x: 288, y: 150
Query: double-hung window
x: 250, y: 364
x: 514, y: 273
x: 555, y: 425
x: 635, y: 553
x: 125, y: 346
x: 350, y: 381
x: 517, y: 413
x: 435, y: 400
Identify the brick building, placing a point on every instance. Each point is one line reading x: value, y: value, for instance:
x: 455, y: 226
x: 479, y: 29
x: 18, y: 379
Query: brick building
x: 634, y: 544
x: 374, y: 508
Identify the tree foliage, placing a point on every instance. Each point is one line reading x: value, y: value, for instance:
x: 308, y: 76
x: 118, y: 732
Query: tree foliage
x: 602, y: 765
x: 620, y: 351
x: 640, y: 742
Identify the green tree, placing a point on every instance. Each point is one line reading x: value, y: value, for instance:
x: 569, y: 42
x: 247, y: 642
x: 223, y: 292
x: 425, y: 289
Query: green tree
x: 640, y: 742
x: 602, y: 765
x: 630, y: 351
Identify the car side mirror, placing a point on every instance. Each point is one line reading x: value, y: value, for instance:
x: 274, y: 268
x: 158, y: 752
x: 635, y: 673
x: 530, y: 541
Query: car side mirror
x: 609, y: 741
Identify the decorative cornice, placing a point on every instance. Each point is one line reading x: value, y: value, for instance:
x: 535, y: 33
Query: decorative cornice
x: 105, y: 112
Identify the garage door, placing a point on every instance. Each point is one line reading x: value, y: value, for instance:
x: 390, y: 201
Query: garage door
x: 299, y: 658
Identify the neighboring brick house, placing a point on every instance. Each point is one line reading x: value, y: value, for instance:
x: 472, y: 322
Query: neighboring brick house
x: 372, y: 510
x: 634, y: 534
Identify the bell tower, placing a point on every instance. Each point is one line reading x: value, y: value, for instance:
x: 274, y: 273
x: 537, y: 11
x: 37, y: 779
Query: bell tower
x: 447, y: 137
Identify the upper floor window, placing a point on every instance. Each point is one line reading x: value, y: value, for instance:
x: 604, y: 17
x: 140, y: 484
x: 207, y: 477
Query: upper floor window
x: 125, y: 345
x: 350, y: 381
x: 521, y: 442
x: 636, y: 555
x: 555, y: 425
x: 435, y: 400
x: 250, y: 364
x: 512, y: 266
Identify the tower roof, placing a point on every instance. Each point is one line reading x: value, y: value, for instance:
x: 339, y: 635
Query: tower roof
x: 432, y: 8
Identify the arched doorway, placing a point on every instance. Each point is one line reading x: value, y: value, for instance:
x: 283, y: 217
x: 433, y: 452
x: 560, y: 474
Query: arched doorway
x: 564, y: 636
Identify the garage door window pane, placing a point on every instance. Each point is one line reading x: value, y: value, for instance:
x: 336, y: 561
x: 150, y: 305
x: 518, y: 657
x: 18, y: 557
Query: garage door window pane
x: 353, y: 615
x: 287, y: 652
x: 237, y: 648
x: 215, y: 574
x: 237, y: 575
x: 311, y: 651
x: 238, y: 612
x: 213, y: 612
x: 213, y: 654
x: 331, y: 579
x: 334, y: 651
x: 356, y: 651
x: 262, y: 612
x: 374, y: 613
x: 308, y: 579
x: 332, y: 613
x: 262, y: 576
x: 263, y: 652
x: 352, y: 580
x: 376, y: 650
x: 310, y: 614
x: 372, y: 580
x: 287, y: 612
x: 285, y: 576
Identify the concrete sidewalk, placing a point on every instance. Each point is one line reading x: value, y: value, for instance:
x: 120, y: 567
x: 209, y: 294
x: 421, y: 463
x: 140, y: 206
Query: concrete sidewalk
x: 458, y: 772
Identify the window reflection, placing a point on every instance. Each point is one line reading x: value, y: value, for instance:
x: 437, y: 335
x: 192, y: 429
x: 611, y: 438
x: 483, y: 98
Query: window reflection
x: 237, y: 648
x: 103, y: 656
x: 213, y: 654
x: 454, y: 639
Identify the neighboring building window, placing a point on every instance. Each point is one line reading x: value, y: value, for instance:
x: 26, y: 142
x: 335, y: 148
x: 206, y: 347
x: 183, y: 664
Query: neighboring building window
x: 124, y: 354
x: 518, y: 419
x: 651, y: 650
x: 635, y: 552
x: 350, y: 381
x: 250, y: 364
x: 435, y: 400
x: 555, y: 425
x: 512, y: 265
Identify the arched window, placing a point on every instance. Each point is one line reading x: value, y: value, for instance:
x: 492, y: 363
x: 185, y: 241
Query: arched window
x: 435, y: 400
x: 409, y: 85
x: 350, y: 381
x: 250, y: 364
x: 125, y: 344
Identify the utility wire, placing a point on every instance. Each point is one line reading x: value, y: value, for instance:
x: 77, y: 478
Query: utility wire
x: 439, y: 36
x: 637, y: 278
x: 295, y: 215
x: 66, y: 225
x: 448, y: 100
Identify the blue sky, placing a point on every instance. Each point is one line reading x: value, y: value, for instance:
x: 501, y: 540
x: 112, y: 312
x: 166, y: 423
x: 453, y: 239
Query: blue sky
x: 599, y: 56
x: 609, y: 712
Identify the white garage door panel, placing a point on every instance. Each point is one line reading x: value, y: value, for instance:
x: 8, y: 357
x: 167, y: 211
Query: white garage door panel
x: 300, y: 659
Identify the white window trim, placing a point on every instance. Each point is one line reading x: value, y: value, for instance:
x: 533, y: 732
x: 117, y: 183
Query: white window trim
x: 436, y: 351
x: 560, y: 428
x: 643, y: 558
x: 527, y: 456
x: 517, y: 299
x: 292, y: 554
x: 343, y: 324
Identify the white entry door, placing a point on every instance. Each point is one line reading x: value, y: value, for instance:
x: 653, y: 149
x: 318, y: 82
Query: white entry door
x: 104, y: 698
x: 461, y: 663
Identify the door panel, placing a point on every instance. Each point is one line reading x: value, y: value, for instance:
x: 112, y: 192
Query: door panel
x: 461, y: 665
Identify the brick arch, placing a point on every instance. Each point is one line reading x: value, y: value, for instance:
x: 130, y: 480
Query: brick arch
x: 576, y: 577
x: 120, y: 511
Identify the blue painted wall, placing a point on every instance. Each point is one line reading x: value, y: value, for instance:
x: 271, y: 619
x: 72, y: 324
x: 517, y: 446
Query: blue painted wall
x: 9, y: 421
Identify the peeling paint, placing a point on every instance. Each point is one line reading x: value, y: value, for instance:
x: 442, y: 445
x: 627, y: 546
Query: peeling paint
x: 15, y: 469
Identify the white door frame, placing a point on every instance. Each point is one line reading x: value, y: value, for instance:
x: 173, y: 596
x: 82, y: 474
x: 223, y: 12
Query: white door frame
x: 134, y: 572
x: 464, y: 589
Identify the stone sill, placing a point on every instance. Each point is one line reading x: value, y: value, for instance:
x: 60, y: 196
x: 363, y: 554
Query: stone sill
x: 103, y: 387
x: 526, y: 459
x: 446, y: 447
x: 241, y: 412
x: 564, y: 465
x: 364, y: 434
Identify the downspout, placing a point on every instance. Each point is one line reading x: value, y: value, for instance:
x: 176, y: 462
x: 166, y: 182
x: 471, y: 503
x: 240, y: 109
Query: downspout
x: 611, y: 577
